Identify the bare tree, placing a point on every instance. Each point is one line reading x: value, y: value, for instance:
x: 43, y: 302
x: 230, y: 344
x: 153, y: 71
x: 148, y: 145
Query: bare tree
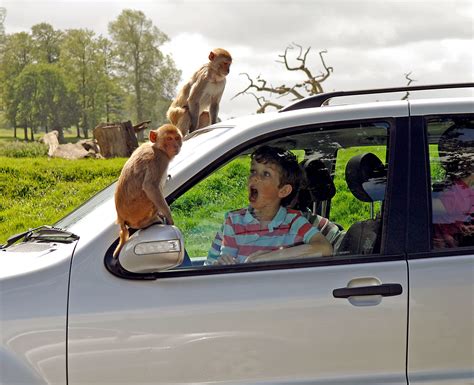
x: 311, y: 85
x: 407, y: 77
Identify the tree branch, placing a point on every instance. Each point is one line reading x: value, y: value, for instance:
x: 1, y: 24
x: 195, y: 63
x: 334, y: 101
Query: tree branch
x: 311, y: 85
x: 407, y: 76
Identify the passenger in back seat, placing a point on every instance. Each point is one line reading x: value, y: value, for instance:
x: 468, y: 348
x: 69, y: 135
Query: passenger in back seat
x: 453, y: 207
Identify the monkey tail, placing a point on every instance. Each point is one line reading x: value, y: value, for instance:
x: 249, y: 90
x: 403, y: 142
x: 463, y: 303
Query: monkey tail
x: 175, y: 113
x: 123, y: 236
x: 179, y: 116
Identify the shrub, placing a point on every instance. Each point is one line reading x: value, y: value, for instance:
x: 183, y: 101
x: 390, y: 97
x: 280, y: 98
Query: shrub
x: 18, y: 149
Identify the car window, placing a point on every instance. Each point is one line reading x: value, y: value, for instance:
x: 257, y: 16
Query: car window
x: 451, y: 152
x: 345, y: 170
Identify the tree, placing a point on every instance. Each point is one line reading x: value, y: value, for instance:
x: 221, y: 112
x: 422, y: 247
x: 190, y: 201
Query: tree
x: 113, y: 97
x: 16, y: 55
x: 3, y: 15
x: 43, y: 99
x: 141, y: 63
x: 79, y: 58
x: 311, y: 85
x: 46, y: 43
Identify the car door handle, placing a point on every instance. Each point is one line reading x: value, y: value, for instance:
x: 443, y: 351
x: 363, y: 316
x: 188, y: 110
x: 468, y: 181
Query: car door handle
x: 385, y: 290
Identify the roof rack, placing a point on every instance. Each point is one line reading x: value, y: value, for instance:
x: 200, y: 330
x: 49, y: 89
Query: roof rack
x: 319, y: 99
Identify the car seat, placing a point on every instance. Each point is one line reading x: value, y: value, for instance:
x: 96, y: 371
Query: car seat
x: 317, y: 189
x: 318, y: 186
x: 366, y: 179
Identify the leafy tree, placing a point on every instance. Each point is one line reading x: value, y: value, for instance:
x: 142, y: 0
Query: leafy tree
x: 46, y: 43
x: 141, y: 63
x: 80, y: 60
x: 43, y: 99
x: 113, y: 96
x: 3, y: 14
x: 16, y: 55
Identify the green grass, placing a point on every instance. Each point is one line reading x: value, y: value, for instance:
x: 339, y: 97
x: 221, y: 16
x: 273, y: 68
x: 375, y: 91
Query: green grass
x: 345, y: 207
x: 200, y: 211
x: 36, y: 191
x: 6, y: 135
x: 19, y: 149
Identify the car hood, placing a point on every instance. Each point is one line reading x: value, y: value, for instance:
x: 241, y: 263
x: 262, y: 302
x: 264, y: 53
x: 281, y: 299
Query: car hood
x: 28, y: 257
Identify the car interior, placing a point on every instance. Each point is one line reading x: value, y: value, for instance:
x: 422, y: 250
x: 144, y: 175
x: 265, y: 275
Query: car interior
x: 363, y: 178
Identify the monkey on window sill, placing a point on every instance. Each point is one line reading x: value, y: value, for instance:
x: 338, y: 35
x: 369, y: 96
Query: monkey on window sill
x: 139, y: 198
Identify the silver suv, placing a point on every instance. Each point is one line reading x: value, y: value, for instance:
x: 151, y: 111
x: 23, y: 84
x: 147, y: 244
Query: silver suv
x: 388, y: 183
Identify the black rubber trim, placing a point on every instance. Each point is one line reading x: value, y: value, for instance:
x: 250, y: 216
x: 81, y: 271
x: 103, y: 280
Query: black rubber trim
x: 319, y: 99
x: 443, y: 253
x: 113, y: 266
x: 385, y: 290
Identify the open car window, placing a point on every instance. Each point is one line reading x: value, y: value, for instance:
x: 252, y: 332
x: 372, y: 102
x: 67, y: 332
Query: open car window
x: 346, y: 176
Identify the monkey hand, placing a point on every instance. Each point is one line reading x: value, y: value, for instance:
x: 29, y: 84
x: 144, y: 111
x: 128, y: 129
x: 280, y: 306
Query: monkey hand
x: 166, y: 219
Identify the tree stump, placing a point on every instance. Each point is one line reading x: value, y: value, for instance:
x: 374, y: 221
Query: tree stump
x: 116, y: 139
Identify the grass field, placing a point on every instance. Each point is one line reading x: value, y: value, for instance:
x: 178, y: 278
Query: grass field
x: 37, y: 190
x: 6, y: 135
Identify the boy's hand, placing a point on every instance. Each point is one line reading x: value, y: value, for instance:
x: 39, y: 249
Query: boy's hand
x: 226, y: 260
x: 255, y: 256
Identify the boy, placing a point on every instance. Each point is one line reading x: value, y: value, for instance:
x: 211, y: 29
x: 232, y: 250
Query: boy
x: 266, y: 229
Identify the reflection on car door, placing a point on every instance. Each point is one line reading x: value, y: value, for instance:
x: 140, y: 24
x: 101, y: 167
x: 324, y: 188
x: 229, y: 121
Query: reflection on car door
x: 279, y: 326
x: 340, y: 320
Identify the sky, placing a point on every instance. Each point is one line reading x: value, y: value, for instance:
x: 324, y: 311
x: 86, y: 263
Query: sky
x: 369, y: 43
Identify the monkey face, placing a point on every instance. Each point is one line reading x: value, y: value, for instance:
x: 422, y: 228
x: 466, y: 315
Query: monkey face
x: 224, y: 67
x: 220, y: 60
x: 172, y: 143
x: 168, y: 138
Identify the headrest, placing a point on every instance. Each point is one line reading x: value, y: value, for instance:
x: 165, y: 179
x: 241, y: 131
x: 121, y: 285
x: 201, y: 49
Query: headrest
x: 366, y: 177
x: 318, y: 180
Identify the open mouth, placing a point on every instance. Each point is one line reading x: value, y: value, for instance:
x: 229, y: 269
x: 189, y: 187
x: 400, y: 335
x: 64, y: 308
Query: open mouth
x: 253, y: 194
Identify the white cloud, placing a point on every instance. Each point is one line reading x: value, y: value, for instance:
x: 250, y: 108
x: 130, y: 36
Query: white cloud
x: 370, y: 43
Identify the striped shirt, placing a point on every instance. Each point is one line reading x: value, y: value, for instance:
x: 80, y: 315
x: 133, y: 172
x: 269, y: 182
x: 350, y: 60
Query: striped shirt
x: 242, y: 234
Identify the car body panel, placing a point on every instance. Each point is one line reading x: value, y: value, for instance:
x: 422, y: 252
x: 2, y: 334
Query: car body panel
x: 441, y: 328
x: 33, y: 307
x: 235, y: 328
x: 193, y: 321
x: 69, y: 320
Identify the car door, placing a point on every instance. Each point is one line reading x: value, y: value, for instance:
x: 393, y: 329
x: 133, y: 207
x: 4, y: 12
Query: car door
x: 340, y: 319
x: 441, y: 258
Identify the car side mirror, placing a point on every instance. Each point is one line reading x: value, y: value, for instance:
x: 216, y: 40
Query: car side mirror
x: 156, y: 248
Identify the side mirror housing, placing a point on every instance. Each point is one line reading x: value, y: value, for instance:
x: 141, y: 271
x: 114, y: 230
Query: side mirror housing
x: 156, y: 248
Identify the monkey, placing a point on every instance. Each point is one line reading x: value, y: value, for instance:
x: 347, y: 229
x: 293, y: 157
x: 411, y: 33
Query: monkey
x: 139, y: 198
x: 204, y: 90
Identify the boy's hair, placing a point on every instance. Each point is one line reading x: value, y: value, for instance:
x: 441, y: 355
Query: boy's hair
x: 290, y: 170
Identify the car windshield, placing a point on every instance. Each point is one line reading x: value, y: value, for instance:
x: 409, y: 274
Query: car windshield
x: 190, y: 146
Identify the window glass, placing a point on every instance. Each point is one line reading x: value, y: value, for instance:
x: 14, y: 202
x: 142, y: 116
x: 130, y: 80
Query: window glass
x: 341, y: 197
x: 451, y: 151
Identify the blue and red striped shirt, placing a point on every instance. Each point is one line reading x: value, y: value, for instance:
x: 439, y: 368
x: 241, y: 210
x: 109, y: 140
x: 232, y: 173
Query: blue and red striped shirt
x: 242, y: 234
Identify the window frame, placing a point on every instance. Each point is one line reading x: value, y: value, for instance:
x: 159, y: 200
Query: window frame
x: 393, y: 225
x: 424, y: 248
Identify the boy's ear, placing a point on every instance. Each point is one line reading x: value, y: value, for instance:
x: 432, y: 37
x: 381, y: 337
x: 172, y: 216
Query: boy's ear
x: 285, y: 191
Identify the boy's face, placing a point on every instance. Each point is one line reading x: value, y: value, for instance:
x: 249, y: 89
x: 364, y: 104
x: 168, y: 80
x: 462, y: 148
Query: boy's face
x: 263, y: 185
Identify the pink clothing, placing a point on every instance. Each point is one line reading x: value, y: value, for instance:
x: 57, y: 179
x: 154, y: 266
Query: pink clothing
x: 455, y: 227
